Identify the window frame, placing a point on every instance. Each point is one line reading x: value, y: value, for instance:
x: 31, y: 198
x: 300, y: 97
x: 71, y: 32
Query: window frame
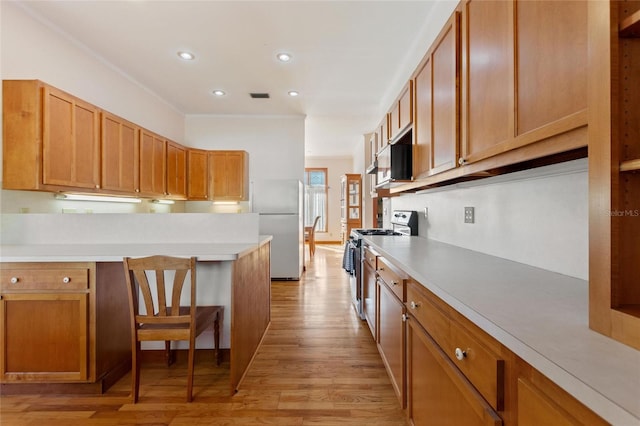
x: 322, y: 224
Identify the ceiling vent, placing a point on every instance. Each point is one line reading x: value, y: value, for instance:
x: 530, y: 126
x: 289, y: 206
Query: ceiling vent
x: 259, y: 95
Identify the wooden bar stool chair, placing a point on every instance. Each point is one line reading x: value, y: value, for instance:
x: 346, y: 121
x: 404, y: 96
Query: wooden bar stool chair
x: 166, y: 322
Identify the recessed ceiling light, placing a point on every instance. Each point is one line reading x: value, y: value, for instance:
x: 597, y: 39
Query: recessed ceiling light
x: 293, y: 93
x: 283, y: 57
x: 187, y: 56
x: 219, y: 92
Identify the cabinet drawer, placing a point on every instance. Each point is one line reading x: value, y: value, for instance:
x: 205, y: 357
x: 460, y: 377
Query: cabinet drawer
x: 392, y: 277
x: 482, y: 367
x: 44, y: 279
x: 371, y: 257
x: 431, y: 318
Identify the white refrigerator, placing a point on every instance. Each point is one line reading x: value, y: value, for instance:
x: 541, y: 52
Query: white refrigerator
x: 280, y: 205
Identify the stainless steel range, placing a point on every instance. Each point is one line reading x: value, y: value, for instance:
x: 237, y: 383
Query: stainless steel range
x: 403, y: 222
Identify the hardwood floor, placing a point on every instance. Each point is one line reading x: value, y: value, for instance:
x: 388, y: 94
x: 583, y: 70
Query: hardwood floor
x: 318, y: 365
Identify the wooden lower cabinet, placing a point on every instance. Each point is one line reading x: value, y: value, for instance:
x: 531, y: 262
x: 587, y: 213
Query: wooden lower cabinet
x: 438, y: 393
x: 391, y: 338
x: 44, y: 336
x: 64, y: 324
x: 369, y: 290
x: 542, y: 402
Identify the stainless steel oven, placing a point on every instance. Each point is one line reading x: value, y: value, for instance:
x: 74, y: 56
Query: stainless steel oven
x: 404, y: 223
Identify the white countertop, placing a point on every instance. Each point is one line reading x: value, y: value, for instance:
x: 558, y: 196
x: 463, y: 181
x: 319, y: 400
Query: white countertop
x: 539, y: 315
x: 115, y: 252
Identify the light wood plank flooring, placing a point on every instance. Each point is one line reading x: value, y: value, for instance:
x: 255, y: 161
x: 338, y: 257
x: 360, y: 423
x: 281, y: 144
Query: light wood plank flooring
x: 318, y: 365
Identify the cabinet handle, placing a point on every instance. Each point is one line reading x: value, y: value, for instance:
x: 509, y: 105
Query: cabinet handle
x: 14, y: 280
x: 460, y: 354
x: 66, y: 280
x: 415, y: 305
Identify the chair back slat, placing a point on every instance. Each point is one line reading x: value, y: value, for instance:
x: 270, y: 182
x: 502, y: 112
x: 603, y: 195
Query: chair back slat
x: 145, y: 290
x: 139, y: 273
x: 178, y: 284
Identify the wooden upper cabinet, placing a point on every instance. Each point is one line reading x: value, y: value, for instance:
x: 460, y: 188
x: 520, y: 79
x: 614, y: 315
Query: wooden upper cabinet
x: 70, y: 141
x: 551, y: 64
x: 120, y: 154
x: 384, y: 132
x: 51, y: 139
x: 488, y: 77
x: 524, y: 79
x: 401, y: 115
x: 436, y: 130
x: 229, y: 172
x: 197, y: 174
x: 176, y: 171
x: 153, y: 164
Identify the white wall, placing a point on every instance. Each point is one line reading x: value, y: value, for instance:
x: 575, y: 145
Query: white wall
x: 275, y: 143
x: 336, y: 167
x: 538, y: 217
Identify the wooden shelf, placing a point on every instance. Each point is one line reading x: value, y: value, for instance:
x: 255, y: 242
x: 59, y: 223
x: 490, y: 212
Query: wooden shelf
x: 633, y: 310
x: 630, y: 27
x: 630, y: 165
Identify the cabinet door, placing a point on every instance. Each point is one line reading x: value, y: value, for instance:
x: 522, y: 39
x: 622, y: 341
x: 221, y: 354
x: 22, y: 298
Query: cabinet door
x: 445, y: 62
x: 198, y: 174
x: 437, y: 392
x: 369, y: 297
x: 176, y: 170
x: 436, y: 132
x: 551, y: 73
x: 70, y: 141
x: 406, y: 107
x: 153, y: 164
x: 229, y: 175
x: 44, y: 337
x: 391, y: 338
x: 488, y: 82
x: 120, y: 154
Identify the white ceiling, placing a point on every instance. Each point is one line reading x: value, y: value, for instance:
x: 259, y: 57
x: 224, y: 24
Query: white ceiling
x: 350, y: 58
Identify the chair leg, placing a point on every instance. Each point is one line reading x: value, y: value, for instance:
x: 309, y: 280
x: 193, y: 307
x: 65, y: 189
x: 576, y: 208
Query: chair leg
x: 135, y: 372
x: 168, y: 354
x: 192, y: 353
x: 216, y: 337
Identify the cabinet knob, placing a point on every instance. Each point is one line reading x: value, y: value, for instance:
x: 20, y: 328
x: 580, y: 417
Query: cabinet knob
x: 461, y: 161
x: 137, y: 189
x: 14, y: 280
x: 380, y: 268
x: 97, y: 186
x: 414, y: 305
x: 460, y: 354
x: 394, y: 283
x: 66, y: 280
x: 405, y: 317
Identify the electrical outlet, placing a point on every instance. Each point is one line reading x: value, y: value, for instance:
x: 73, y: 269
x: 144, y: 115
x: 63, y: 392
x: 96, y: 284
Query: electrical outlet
x: 469, y: 215
x: 426, y: 212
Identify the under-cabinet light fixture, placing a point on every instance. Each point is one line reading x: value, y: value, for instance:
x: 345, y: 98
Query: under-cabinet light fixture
x: 226, y: 203
x: 294, y: 93
x: 103, y: 198
x: 163, y: 201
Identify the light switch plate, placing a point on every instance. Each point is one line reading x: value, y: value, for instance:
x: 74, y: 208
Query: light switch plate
x: 469, y: 215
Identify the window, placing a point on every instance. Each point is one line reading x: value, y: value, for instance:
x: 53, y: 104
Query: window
x: 315, y: 198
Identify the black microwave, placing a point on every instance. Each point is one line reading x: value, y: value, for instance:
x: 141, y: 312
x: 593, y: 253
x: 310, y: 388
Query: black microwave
x: 394, y: 164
